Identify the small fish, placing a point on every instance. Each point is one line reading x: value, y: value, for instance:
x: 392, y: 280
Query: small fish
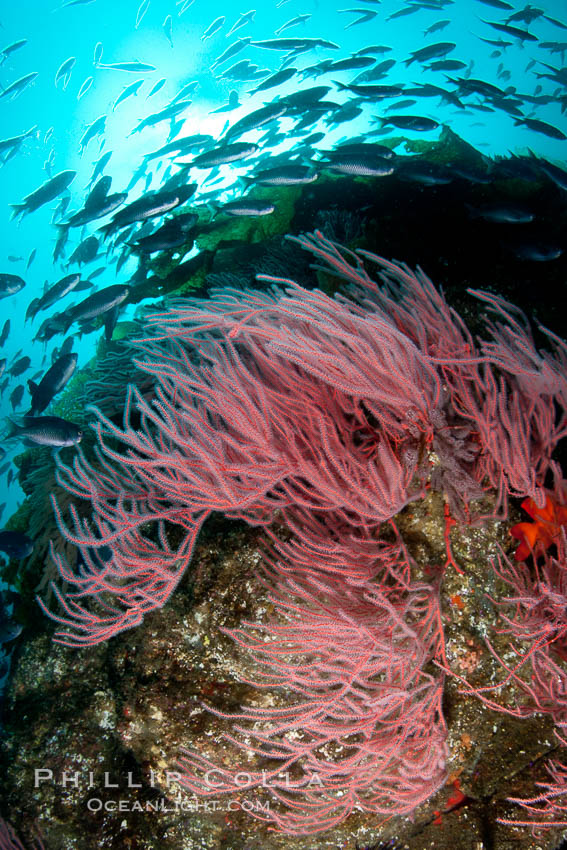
x: 142, y: 9
x: 10, y: 284
x: 9, y: 629
x: 15, y: 545
x: 283, y: 175
x: 231, y: 51
x: 537, y: 252
x: 541, y: 127
x: 76, y: 3
x: 432, y: 51
x: 223, y: 155
x: 49, y: 190
x: 256, y: 119
x: 367, y: 15
x: 216, y: 25
x: 54, y: 380
x: 157, y: 87
x: 245, y: 207
x: 4, y: 335
x: 85, y: 252
x: 514, y: 32
x: 299, y: 19
x: 501, y: 213
x: 20, y: 366
x: 85, y: 87
x: 16, y: 396
x: 31, y: 258
x: 185, y: 4
x: 411, y: 122
x: 132, y: 67
x: 294, y: 44
x: 64, y: 71
x: 55, y: 293
x: 244, y: 19
x: 18, y: 86
x: 96, y: 128
x: 127, y: 91
x: 167, y: 27
x: 276, y: 79
x: 99, y: 303
x: 498, y: 4
x: 45, y: 431
x: 97, y: 53
x: 10, y: 48
x: 233, y: 103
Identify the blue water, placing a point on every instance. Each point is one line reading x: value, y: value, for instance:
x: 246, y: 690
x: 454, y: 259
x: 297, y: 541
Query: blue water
x: 56, y: 33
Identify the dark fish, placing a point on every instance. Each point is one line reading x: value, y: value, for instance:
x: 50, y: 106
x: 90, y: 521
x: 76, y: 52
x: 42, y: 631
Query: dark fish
x: 20, y: 366
x: 372, y: 92
x: 106, y: 206
x: 275, y: 80
x: 45, y: 431
x: 541, y: 127
x: 52, y: 383
x: 558, y: 175
x: 10, y: 284
x: 285, y: 44
x: 95, y: 305
x: 148, y: 206
x: 46, y: 192
x: 5, y: 332
x: 85, y: 252
x: 424, y: 173
x: 256, y: 119
x: 360, y: 165
x: 15, y: 545
x: 501, y: 213
x: 498, y: 4
x: 98, y: 193
x: 3, y: 362
x: 223, y: 155
x: 411, y: 122
x: 56, y: 292
x: 353, y: 63
x: 537, y: 252
x: 522, y: 35
x: 16, y: 396
x: 246, y: 207
x: 432, y: 51
x: 172, y: 234
x: 283, y: 175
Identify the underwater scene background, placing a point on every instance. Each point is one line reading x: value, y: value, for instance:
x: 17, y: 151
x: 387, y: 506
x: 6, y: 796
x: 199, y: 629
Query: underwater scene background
x: 283, y: 546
